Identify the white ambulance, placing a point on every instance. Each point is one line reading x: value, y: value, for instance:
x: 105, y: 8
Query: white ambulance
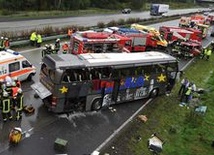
x: 15, y: 65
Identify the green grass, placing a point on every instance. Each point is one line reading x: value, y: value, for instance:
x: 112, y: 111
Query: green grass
x: 183, y: 133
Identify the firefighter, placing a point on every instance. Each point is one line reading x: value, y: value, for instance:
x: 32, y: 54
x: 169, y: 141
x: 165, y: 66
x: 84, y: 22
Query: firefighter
x: 188, y: 93
x: 6, y: 107
x: 6, y: 43
x: 65, y: 48
x: 39, y: 40
x: 19, y: 104
x: 33, y: 38
x: 57, y: 46
x: 2, y: 43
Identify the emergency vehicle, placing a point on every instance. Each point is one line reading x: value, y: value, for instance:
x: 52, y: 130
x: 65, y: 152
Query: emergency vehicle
x: 96, y: 42
x: 160, y: 40
x: 141, y: 38
x: 173, y: 33
x: 196, y: 22
x: 16, y: 65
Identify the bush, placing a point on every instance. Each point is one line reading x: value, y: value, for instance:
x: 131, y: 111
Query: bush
x: 100, y: 25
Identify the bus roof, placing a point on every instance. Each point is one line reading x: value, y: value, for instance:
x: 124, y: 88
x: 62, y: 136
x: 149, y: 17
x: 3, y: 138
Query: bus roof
x: 114, y: 60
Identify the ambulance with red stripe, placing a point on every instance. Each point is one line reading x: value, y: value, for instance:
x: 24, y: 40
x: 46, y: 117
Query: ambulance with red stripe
x: 16, y: 65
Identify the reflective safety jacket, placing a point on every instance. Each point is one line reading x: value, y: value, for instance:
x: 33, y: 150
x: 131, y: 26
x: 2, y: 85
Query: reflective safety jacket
x: 6, y: 104
x: 33, y: 36
x: 19, y: 101
x: 39, y: 38
x: 208, y: 52
x: 189, y: 90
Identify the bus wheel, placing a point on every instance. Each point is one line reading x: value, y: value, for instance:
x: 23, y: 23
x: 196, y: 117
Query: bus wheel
x: 154, y: 93
x: 97, y: 104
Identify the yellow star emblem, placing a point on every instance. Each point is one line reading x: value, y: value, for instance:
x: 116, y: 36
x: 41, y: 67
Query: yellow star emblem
x: 161, y: 78
x: 146, y: 77
x: 63, y: 90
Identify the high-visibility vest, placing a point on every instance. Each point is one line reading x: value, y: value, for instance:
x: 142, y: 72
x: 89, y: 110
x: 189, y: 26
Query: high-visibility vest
x: 189, y: 90
x: 33, y: 36
x: 39, y: 38
x: 19, y: 101
x: 6, y: 105
x: 14, y: 91
x: 208, y: 52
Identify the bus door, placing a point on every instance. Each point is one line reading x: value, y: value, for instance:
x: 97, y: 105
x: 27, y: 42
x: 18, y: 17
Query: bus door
x: 115, y: 90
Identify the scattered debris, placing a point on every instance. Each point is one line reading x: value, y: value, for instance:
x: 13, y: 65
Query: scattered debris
x: 112, y: 109
x: 60, y: 144
x: 201, y: 109
x: 143, y: 118
x: 29, y: 109
x: 155, y: 144
x: 15, y: 135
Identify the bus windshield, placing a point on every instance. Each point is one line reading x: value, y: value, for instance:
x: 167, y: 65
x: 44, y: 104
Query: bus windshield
x: 91, y: 81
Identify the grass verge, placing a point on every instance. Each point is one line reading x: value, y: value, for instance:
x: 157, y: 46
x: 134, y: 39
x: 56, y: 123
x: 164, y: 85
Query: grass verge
x: 183, y: 131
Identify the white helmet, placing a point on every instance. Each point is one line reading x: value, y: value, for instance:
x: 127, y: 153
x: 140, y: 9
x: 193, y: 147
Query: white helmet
x: 2, y: 37
x: 19, y: 90
x: 13, y: 83
x: 5, y: 94
x: 57, y: 40
x: 8, y: 84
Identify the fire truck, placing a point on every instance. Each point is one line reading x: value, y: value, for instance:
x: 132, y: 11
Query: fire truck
x: 147, y: 29
x: 197, y: 22
x: 173, y: 33
x: 141, y: 38
x: 96, y: 42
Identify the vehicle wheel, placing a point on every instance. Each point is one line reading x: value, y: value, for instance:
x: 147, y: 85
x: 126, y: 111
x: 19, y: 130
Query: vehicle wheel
x: 154, y: 93
x: 29, y: 78
x: 97, y: 104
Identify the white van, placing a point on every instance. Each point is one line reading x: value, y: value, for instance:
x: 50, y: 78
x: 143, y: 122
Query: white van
x: 16, y: 65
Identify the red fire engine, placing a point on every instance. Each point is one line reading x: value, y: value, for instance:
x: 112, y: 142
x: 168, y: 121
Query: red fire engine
x: 173, y: 33
x: 140, y: 41
x: 96, y: 42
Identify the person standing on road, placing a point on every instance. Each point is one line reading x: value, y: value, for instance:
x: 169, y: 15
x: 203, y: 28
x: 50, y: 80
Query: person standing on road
x: 2, y: 43
x: 19, y: 104
x: 57, y: 46
x: 33, y: 38
x: 6, y: 107
x: 39, y: 40
x: 6, y: 43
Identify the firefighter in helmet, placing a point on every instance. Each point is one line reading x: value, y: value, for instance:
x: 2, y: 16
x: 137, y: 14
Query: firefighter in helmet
x: 6, y: 107
x: 19, y: 104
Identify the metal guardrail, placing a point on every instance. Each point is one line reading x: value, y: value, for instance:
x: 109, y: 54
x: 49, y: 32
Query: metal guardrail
x: 49, y: 38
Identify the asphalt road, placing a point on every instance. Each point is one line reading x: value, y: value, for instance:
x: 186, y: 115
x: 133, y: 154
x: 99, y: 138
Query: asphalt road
x: 84, y: 131
x: 78, y: 21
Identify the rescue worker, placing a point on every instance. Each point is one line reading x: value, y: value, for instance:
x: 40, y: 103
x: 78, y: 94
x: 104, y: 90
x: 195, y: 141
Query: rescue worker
x: 6, y: 43
x: 33, y: 38
x: 65, y: 48
x: 39, y: 40
x: 14, y: 91
x: 18, y: 83
x: 70, y: 32
x: 2, y: 43
x: 204, y: 51
x: 6, y: 107
x: 188, y: 93
x: 57, y: 46
x: 184, y: 85
x: 208, y: 54
x: 19, y: 104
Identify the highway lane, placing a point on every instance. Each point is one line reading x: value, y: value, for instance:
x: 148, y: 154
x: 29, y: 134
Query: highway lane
x: 84, y: 131
x: 78, y: 21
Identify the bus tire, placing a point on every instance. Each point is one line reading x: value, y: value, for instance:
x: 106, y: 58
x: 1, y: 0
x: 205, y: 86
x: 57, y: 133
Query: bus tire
x: 97, y: 104
x: 154, y: 93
